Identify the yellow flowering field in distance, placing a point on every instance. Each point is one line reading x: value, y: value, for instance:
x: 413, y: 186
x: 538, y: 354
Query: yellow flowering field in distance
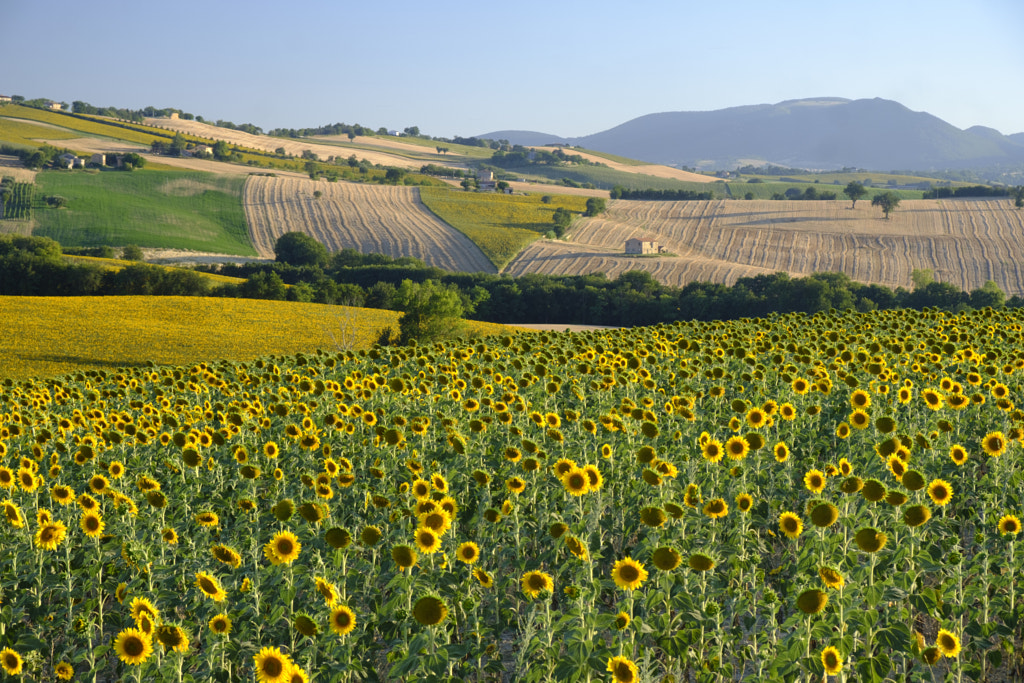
x: 116, y: 264
x: 780, y: 499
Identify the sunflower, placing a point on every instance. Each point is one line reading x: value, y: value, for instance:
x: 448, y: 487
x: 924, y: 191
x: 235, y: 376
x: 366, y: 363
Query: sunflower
x: 1009, y: 525
x: 712, y: 451
x: 64, y: 671
x: 210, y: 586
x: 812, y: 601
x: 790, y: 524
x: 870, y: 540
x: 343, y: 620
x: 404, y: 556
x: 436, y: 520
x: 994, y: 444
x: 916, y: 515
x: 941, y: 492
x: 468, y: 552
x: 629, y: 574
x: 831, y: 577
x: 283, y: 548
x: 208, y: 519
x: 653, y: 516
x: 666, y: 558
x: 11, y: 661
x: 430, y: 610
x: 427, y: 540
x: 958, y: 454
x: 897, y: 467
x: 744, y: 502
x: 577, y: 547
x: 623, y: 670
x: 92, y: 524
x: 272, y: 665
x: 133, y: 646
x: 537, y: 582
x: 220, y: 624
x: 420, y: 489
x: 63, y: 495
x: 814, y: 481
x: 485, y: 579
x: 737, y: 448
x: 824, y: 515
x: 932, y: 399
x: 227, y: 555
x: 172, y: 638
x: 757, y: 418
x: 948, y: 643
x: 622, y: 621
x: 787, y: 411
x: 7, y: 479
x: 832, y: 660
x: 716, y: 508
x: 781, y: 452
x: 801, y: 386
x: 50, y: 535
x: 515, y: 485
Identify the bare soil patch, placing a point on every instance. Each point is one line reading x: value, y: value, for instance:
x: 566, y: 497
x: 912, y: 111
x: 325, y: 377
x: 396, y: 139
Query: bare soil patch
x: 11, y: 166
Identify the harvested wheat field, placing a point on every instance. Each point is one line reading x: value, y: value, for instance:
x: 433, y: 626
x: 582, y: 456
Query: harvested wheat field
x: 271, y: 144
x: 965, y: 242
x: 12, y: 167
x: 381, y: 219
x: 656, y: 170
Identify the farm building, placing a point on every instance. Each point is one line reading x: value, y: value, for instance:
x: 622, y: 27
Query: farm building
x: 98, y: 159
x: 6, y: 98
x: 56, y: 106
x: 70, y: 161
x: 635, y: 246
x: 486, y: 180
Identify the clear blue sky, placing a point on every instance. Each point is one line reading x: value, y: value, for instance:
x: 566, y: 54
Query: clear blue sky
x: 568, y: 68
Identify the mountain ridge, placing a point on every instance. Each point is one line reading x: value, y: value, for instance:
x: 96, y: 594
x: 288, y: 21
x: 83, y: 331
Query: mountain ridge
x: 815, y: 133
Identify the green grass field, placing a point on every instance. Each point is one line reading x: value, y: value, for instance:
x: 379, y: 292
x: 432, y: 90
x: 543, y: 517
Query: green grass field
x: 27, y: 134
x: 501, y: 225
x: 159, y: 209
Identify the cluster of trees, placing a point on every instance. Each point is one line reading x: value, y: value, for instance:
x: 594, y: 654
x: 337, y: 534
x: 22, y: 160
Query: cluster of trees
x: 974, y: 191
x: 304, y: 271
x: 769, y: 169
x: 351, y: 130
x: 137, y: 115
x: 620, y: 192
x: 520, y: 156
x: 250, y: 128
x: 809, y: 193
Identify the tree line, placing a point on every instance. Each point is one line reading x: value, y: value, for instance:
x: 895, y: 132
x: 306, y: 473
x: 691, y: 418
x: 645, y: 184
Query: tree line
x: 304, y: 271
x: 620, y: 192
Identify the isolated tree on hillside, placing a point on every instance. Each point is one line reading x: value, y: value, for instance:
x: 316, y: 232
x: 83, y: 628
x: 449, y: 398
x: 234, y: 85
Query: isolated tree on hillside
x: 854, y: 191
x: 888, y: 201
x: 299, y: 249
x: 595, y: 206
x: 1018, y: 196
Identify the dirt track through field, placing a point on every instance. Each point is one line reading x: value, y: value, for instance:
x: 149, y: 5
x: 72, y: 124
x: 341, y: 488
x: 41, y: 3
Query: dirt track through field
x: 965, y: 242
x: 379, y: 219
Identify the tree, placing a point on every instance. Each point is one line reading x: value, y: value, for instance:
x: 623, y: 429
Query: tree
x: 502, y: 186
x: 220, y: 150
x: 922, y: 277
x: 595, y: 206
x: 562, y: 218
x: 299, y: 249
x: 1018, y: 196
x: 430, y: 310
x: 351, y: 135
x: 131, y: 252
x: 412, y: 131
x: 394, y: 175
x: 854, y: 191
x: 133, y: 161
x: 887, y: 200
x: 177, y: 145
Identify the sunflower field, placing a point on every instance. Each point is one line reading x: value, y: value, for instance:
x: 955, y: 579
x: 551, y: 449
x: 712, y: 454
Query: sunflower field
x: 794, y: 498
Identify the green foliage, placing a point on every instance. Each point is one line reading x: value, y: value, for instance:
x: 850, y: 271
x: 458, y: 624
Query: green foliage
x: 15, y: 200
x: 300, y: 249
x: 501, y: 225
x: 595, y: 206
x: 854, y: 191
x: 156, y: 209
x: 132, y: 252
x: 888, y: 201
x: 430, y: 311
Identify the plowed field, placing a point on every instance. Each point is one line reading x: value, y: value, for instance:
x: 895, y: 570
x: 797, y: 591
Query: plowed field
x: 380, y: 219
x: 965, y: 242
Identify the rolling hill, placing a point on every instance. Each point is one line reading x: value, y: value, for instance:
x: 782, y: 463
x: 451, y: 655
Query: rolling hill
x: 820, y: 133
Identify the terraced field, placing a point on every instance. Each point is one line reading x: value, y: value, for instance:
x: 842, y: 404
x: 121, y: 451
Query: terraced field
x: 965, y: 242
x: 380, y: 219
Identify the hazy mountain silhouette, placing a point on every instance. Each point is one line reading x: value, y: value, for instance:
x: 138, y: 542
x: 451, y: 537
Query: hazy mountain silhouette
x: 820, y: 133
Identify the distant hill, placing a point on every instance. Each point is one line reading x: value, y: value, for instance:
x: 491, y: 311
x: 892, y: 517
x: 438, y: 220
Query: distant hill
x: 821, y: 133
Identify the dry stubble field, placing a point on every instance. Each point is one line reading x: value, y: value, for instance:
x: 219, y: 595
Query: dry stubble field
x: 270, y: 144
x: 380, y: 219
x: 965, y: 242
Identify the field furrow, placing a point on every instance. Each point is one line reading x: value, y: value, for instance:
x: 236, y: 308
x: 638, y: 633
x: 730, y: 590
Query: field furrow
x: 964, y: 242
x: 369, y: 218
